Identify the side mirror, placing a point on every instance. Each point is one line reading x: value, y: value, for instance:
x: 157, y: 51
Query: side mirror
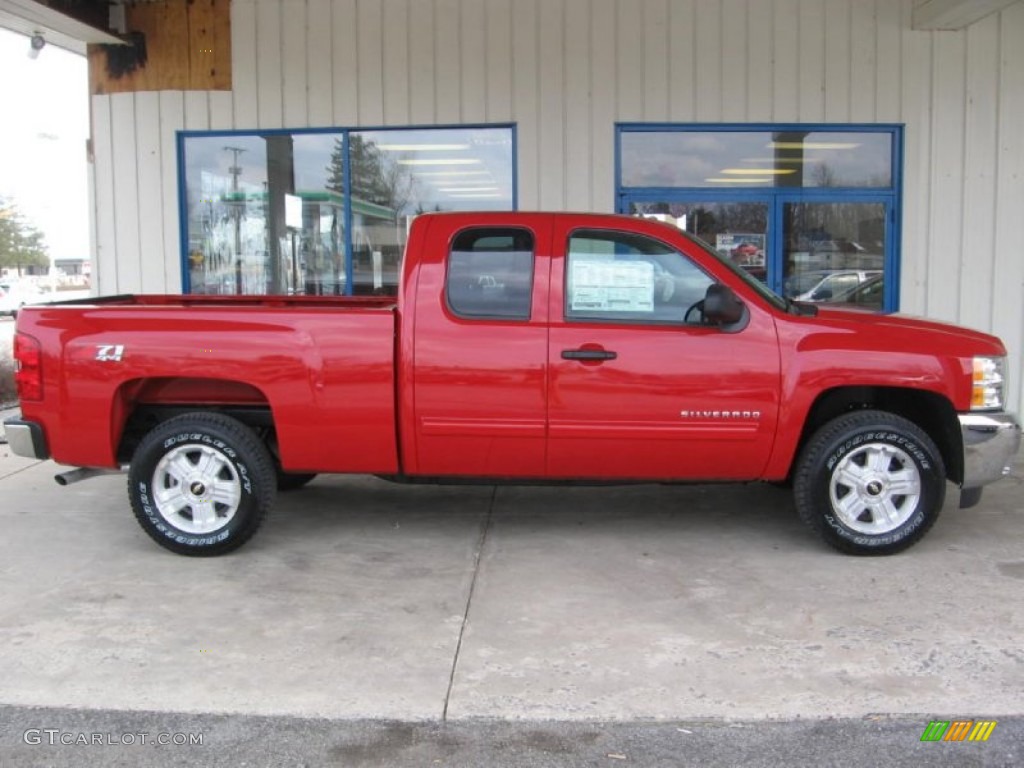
x: 723, y: 307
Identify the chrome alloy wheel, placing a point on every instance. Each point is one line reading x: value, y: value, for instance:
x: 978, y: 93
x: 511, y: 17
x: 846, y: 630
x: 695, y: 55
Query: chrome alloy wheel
x: 875, y: 488
x: 196, y: 488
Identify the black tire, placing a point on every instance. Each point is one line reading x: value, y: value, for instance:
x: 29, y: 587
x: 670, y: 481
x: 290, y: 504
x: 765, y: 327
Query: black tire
x: 208, y: 450
x: 292, y: 481
x: 849, y: 477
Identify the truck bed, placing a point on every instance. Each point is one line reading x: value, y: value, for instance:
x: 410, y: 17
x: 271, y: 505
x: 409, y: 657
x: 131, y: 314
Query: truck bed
x: 323, y: 366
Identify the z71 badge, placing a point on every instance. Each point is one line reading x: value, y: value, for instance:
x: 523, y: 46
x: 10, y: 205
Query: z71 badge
x: 109, y: 353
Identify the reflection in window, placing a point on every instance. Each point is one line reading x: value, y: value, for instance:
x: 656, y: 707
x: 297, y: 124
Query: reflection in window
x: 401, y: 174
x: 490, y: 274
x: 831, y: 248
x: 756, y: 159
x: 737, y: 230
x: 618, y: 276
x: 269, y: 214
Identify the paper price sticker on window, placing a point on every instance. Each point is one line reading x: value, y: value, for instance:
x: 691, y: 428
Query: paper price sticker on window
x: 612, y: 286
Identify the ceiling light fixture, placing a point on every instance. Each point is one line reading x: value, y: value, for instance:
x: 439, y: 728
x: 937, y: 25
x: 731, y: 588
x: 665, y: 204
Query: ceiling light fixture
x: 812, y: 145
x: 758, y: 171
x: 422, y: 147
x: 787, y: 160
x: 440, y: 161
x: 454, y: 173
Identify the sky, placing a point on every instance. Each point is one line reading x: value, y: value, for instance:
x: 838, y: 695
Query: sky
x: 43, y: 136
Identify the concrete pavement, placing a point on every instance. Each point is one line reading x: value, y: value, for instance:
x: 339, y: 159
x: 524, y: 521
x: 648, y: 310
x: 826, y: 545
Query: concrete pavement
x: 370, y: 624
x: 365, y: 600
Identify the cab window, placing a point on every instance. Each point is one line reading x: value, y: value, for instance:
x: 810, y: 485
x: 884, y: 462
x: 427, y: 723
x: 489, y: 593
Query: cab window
x: 490, y: 274
x: 622, y: 276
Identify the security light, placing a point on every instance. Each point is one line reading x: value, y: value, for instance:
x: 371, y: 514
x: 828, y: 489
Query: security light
x: 36, y: 43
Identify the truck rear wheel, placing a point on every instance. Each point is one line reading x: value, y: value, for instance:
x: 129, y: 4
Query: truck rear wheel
x: 201, y: 484
x: 870, y: 483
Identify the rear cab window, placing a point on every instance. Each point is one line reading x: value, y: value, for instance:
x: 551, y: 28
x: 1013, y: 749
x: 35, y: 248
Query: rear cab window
x: 490, y: 274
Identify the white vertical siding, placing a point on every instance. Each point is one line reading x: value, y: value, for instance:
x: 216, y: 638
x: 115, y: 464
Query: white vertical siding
x: 126, y: 191
x: 682, y: 61
x: 344, y: 60
x: 733, y: 37
x: 564, y: 71
x: 473, y: 60
x: 759, y: 61
x: 243, y: 64
x: 525, y: 99
x: 150, y: 171
x: 294, y: 45
x: 578, y: 176
x: 448, y: 82
x: 499, y: 60
x: 269, y: 69
x: 1008, y: 253
x: 319, y: 64
x: 396, y: 62
x: 105, y: 266
x: 552, y: 137
x: 172, y: 119
x: 422, y: 81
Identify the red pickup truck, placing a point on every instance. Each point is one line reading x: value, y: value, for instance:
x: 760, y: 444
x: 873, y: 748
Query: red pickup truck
x: 521, y: 347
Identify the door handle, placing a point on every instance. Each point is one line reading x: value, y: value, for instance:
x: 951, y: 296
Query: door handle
x: 588, y: 354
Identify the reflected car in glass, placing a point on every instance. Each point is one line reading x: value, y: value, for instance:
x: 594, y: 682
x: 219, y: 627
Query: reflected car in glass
x: 835, y: 283
x: 868, y: 295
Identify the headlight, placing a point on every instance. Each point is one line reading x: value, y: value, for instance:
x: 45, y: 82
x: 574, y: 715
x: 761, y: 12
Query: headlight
x: 987, y: 386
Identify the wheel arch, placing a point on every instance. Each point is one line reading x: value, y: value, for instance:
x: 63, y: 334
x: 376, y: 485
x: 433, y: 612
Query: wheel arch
x: 928, y: 410
x: 140, y: 405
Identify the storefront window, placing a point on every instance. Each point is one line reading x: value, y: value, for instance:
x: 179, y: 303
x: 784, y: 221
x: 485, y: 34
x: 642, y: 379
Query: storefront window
x: 319, y: 212
x: 812, y: 211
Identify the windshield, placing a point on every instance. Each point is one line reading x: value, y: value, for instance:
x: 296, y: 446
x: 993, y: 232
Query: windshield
x: 760, y: 288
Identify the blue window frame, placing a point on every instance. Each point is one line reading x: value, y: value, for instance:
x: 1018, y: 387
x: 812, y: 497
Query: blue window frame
x: 326, y: 211
x: 807, y: 207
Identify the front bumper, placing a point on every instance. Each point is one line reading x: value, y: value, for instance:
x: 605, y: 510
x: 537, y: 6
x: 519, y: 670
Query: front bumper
x: 991, y: 441
x: 26, y: 438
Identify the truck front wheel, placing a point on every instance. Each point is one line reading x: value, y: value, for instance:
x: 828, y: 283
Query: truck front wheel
x: 870, y: 483
x: 201, y: 484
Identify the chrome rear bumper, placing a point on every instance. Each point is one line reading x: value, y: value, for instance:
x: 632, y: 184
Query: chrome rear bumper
x: 26, y: 439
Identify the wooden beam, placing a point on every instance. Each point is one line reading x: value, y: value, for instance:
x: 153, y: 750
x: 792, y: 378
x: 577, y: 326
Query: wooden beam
x: 954, y: 14
x: 188, y: 47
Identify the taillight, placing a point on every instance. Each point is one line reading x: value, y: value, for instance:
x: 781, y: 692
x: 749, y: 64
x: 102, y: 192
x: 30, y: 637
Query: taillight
x: 28, y: 376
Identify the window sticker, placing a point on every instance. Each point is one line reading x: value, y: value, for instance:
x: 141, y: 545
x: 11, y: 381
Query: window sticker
x: 601, y: 285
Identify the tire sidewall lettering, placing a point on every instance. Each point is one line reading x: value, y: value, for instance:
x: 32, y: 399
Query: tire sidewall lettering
x: 909, y: 446
x: 160, y: 523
